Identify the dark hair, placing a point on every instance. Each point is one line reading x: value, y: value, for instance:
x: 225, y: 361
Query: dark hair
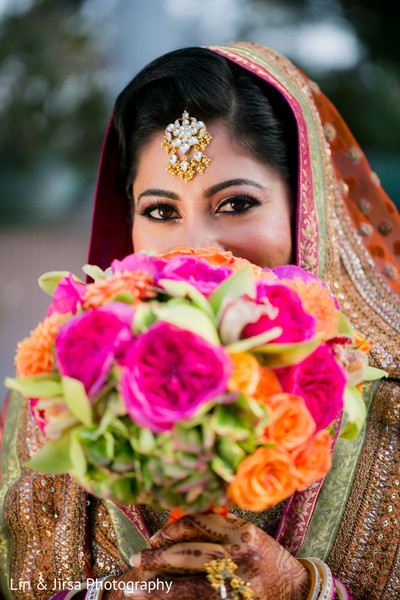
x: 211, y: 88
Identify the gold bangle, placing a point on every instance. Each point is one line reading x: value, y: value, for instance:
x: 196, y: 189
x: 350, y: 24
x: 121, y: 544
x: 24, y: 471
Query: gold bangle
x: 341, y: 591
x: 221, y: 571
x: 315, y: 578
x: 97, y: 589
x: 327, y: 581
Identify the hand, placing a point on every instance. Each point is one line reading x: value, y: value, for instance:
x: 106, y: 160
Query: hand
x: 181, y: 549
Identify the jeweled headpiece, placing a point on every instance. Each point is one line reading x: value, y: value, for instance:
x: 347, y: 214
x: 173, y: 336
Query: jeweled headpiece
x: 184, y: 136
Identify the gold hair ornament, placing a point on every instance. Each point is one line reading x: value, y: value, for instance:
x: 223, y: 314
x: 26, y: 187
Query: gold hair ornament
x: 223, y: 570
x: 184, y: 136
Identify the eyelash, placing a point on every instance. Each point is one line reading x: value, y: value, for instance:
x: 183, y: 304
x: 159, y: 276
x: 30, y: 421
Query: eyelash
x: 250, y: 201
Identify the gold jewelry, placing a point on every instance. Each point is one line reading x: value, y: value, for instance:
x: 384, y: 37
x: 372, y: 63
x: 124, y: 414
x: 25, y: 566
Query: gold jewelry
x: 96, y: 590
x: 341, y: 591
x: 327, y: 581
x: 183, y: 136
x: 223, y: 570
x: 315, y: 576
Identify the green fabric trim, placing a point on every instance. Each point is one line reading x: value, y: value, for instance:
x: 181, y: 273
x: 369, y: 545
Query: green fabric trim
x: 129, y: 539
x: 11, y: 472
x: 328, y: 514
x: 317, y: 165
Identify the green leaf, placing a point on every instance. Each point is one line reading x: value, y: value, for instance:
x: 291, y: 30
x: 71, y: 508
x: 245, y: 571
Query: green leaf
x: 143, y: 318
x: 255, y: 342
x: 125, y: 297
x: 222, y: 468
x: 77, y: 400
x: 240, y: 283
x: 94, y: 272
x: 146, y: 441
x: 183, y: 289
x: 226, y: 421
x: 77, y: 456
x: 97, y: 451
x: 109, y: 438
x: 349, y: 432
x: 106, y: 420
x: 187, y: 440
x: 355, y: 413
x: 38, y: 386
x: 208, y: 435
x: 285, y: 355
x: 230, y: 452
x: 372, y: 374
x: 124, y: 490
x: 54, y: 457
x: 188, y: 317
x: 344, y: 326
x: 115, y: 403
x: 49, y: 281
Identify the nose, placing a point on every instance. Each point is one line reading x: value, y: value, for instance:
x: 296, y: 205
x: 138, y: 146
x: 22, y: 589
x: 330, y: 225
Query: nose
x: 199, y: 234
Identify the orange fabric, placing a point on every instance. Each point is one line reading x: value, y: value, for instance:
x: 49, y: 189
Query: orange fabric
x: 372, y: 212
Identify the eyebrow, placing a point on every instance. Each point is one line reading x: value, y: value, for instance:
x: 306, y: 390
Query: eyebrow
x: 158, y: 192
x: 231, y: 182
x: 209, y: 192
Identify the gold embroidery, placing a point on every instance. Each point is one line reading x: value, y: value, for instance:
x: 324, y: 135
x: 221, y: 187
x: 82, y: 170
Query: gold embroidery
x: 369, y: 538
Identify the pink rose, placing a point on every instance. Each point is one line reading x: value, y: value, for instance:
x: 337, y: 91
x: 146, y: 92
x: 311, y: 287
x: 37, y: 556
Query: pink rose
x: 169, y: 372
x: 320, y: 381
x: 152, y: 265
x: 196, y: 271
x: 292, y: 271
x: 297, y: 325
x: 67, y: 295
x: 37, y: 413
x: 87, y: 345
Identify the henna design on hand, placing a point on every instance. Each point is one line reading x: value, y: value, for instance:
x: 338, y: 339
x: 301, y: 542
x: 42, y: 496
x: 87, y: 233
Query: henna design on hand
x: 181, y: 549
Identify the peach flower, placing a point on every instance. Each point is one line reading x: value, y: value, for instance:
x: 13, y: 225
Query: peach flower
x: 263, y: 479
x: 137, y: 283
x: 290, y: 423
x: 52, y: 417
x: 246, y: 374
x: 317, y: 301
x: 361, y: 342
x: 34, y: 354
x: 312, y: 460
x: 268, y: 385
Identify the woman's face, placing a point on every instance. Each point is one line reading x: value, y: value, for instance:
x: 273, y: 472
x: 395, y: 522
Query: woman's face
x: 238, y: 204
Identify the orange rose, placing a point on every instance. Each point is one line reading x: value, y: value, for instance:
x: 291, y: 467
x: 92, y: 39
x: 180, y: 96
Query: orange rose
x: 263, y: 479
x: 290, y: 423
x: 246, y: 374
x: 313, y: 459
x: 268, y: 385
x: 317, y: 301
x: 137, y: 283
x: 34, y: 354
x: 217, y: 258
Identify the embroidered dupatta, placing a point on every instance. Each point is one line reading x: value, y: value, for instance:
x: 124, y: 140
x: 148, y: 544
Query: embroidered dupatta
x: 348, y: 234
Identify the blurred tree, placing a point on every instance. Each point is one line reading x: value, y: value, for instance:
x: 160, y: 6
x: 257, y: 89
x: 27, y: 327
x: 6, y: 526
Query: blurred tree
x: 368, y: 93
x: 53, y: 107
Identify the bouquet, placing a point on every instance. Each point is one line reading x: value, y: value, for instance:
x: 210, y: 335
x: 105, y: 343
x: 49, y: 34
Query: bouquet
x: 192, y: 380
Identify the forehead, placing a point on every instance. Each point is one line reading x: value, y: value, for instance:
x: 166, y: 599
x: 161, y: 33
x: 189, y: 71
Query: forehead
x: 228, y: 161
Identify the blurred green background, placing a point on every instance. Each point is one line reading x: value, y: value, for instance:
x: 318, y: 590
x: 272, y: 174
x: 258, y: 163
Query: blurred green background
x: 62, y: 64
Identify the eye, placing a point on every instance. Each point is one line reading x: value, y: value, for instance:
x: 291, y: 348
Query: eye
x: 236, y: 204
x: 160, y: 212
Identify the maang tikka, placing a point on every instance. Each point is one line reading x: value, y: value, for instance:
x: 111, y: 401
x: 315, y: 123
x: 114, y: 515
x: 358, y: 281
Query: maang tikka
x: 184, y: 136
